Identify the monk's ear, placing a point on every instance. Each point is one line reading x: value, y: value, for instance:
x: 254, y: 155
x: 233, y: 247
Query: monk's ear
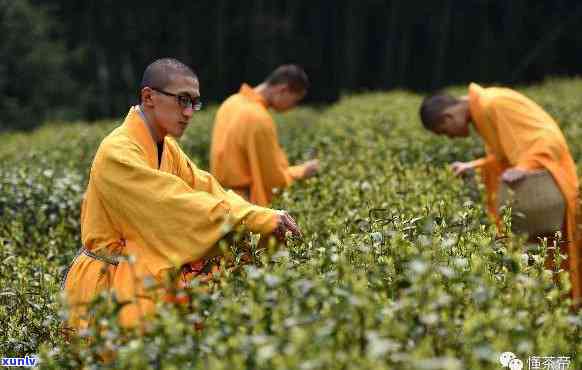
x: 447, y: 118
x: 443, y: 123
x: 147, y: 96
x: 280, y: 88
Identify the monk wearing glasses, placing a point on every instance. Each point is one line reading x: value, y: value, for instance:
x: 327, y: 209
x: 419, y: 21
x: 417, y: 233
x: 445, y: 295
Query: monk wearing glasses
x: 148, y: 210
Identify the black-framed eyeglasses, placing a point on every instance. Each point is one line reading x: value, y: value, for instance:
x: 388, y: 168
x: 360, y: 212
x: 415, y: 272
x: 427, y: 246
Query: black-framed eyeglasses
x: 184, y: 100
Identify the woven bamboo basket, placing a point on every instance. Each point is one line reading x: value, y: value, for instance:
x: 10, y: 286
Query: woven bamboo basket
x: 537, y: 205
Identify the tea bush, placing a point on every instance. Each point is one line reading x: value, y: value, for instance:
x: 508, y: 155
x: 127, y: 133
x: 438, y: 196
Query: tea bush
x: 399, y: 267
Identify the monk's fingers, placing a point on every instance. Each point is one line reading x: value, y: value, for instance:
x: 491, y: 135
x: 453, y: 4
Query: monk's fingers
x: 461, y: 168
x: 456, y: 168
x: 311, y: 167
x: 292, y: 226
x: 279, y: 231
x: 314, y: 164
x: 286, y: 223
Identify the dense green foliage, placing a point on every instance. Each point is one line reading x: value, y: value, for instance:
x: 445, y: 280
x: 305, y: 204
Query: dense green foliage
x: 399, y: 267
x: 34, y: 83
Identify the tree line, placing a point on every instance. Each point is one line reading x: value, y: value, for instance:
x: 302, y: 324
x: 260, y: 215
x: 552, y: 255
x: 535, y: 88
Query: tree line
x: 66, y: 60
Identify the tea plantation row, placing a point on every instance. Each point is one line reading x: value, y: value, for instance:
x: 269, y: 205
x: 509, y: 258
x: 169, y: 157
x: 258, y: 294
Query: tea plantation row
x: 399, y: 267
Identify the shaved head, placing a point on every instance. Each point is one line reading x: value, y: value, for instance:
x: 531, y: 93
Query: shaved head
x: 160, y: 73
x: 433, y: 107
x: 290, y: 74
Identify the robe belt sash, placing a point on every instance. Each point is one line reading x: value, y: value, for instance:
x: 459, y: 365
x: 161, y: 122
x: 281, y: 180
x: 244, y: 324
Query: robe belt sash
x: 114, y: 261
x: 202, y: 266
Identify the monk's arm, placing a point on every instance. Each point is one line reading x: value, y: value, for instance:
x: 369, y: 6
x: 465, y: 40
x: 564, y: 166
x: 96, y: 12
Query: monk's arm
x: 484, y: 161
x: 297, y: 172
x: 166, y: 214
x: 258, y: 219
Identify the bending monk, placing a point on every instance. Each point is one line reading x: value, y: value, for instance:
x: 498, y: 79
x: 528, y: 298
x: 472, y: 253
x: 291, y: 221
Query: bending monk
x: 245, y: 154
x: 148, y: 210
x: 520, y: 137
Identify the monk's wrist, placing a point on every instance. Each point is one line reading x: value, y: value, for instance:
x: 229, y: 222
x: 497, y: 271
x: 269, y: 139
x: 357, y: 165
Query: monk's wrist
x: 262, y: 220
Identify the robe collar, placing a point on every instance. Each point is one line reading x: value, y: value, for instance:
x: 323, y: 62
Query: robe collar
x: 476, y: 104
x: 139, y: 131
x: 248, y: 92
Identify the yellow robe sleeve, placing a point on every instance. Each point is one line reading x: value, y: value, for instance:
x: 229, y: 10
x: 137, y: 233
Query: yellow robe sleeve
x: 296, y: 172
x: 256, y: 219
x: 484, y: 161
x: 490, y: 170
x: 168, y: 217
x: 268, y: 163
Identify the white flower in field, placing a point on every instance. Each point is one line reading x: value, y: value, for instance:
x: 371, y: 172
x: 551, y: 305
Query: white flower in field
x: 271, y: 280
x: 309, y: 365
x: 438, y: 363
x: 253, y: 272
x: 304, y: 286
x: 365, y: 186
x: 377, y: 237
x: 418, y: 267
x: 443, y: 300
x: 525, y: 346
x: 460, y: 262
x: 430, y: 319
x: 378, y: 346
x: 447, y: 271
x: 448, y: 243
x: 259, y: 339
x: 481, y: 294
x: 280, y: 254
x: 135, y: 345
x: 364, y: 248
x: 267, y: 352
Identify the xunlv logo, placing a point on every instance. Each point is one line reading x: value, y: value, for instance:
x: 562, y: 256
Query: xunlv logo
x: 28, y: 361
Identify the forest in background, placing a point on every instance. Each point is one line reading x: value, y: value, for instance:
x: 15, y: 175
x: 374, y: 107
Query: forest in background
x: 82, y: 60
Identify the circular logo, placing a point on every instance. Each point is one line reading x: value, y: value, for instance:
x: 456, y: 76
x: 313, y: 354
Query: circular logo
x: 506, y: 357
x: 516, y: 364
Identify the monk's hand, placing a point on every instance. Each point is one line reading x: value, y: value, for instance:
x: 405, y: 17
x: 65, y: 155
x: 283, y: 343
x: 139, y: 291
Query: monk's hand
x: 513, y: 176
x: 461, y: 168
x: 311, y: 168
x: 286, y: 223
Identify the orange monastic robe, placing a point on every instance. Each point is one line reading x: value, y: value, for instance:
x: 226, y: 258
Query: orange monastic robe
x: 161, y: 218
x: 519, y: 133
x: 245, y: 153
